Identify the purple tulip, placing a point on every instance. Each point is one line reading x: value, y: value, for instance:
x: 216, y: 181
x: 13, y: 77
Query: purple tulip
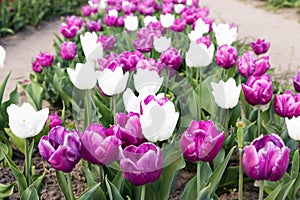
x: 129, y: 8
x: 149, y: 64
x: 226, y: 56
x: 287, y: 104
x: 260, y: 46
x: 36, y: 67
x: 68, y: 31
x: 74, y: 21
x: 45, y: 59
x: 204, y: 40
x: 201, y: 142
x: 246, y: 65
x: 94, y: 25
x: 120, y: 22
x: 68, y: 50
x: 266, y: 158
x: 55, y: 120
x: 130, y: 59
x: 178, y: 25
x: 296, y: 82
x: 100, y: 146
x: 61, y: 148
x: 167, y: 8
x: 144, y: 9
x: 258, y: 90
x: 130, y: 130
x: 86, y: 10
x: 107, y: 42
x: 143, y: 164
x: 189, y: 15
x: 111, y: 17
x: 261, y: 66
x: 170, y: 58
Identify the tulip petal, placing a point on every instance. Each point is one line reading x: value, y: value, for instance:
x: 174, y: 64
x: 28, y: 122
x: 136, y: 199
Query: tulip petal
x: 2, y: 56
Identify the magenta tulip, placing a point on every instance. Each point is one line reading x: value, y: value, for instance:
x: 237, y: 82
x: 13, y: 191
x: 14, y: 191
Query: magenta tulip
x: 260, y: 46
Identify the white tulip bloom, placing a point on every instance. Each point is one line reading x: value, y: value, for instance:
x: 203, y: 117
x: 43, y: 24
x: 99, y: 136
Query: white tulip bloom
x: 225, y: 34
x: 25, y: 121
x: 293, y: 127
x: 167, y: 20
x: 147, y: 83
x: 201, y: 27
x: 84, y: 76
x: 158, y: 118
x: 226, y: 94
x: 2, y: 56
x: 92, y: 49
x: 125, y: 3
x: 178, y: 8
x: 131, y: 23
x: 112, y: 82
x: 199, y: 55
x: 162, y: 43
x: 149, y: 19
x: 113, y: 13
x: 189, y: 2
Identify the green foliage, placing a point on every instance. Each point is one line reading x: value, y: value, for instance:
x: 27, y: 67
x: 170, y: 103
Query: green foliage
x: 284, y: 3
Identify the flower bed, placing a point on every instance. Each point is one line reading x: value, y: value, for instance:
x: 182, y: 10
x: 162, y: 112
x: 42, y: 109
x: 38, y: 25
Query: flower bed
x: 147, y: 89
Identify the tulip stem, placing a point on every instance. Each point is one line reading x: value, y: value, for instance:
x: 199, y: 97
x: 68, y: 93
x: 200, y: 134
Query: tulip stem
x: 258, y: 121
x: 199, y: 99
x: 113, y: 107
x: 226, y: 121
x: 70, y: 186
x: 143, y: 192
x: 261, y: 190
x: 240, y: 174
x: 198, y: 176
x: 27, y: 163
x: 87, y: 109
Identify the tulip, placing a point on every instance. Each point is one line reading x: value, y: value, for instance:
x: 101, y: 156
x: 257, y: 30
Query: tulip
x: 205, y: 40
x: 107, y: 42
x: 292, y: 126
x: 2, y: 56
x: 167, y: 20
x: 258, y: 90
x: 287, y: 104
x: 143, y: 164
x: 45, y: 59
x: 199, y: 55
x: 130, y: 130
x: 86, y: 10
x: 226, y: 56
x: 167, y: 7
x: 296, y: 82
x: 201, y: 27
x: 68, y: 50
x: 131, y: 23
x: 178, y: 8
x: 149, y: 19
x: 54, y: 120
x: 226, y: 94
x: 68, y: 31
x: 161, y: 44
x: 111, y: 17
x: 112, y: 80
x: 61, y: 148
x: 149, y: 64
x: 201, y: 141
x: 260, y: 46
x: 178, y: 25
x: 24, y: 121
x: 84, y: 76
x: 128, y: 7
x: 266, y: 158
x: 74, y: 21
x: 170, y: 58
x: 158, y: 118
x: 246, y: 65
x: 92, y: 50
x: 224, y: 33
x: 261, y: 66
x: 99, y: 146
x: 36, y: 67
x: 130, y: 59
x: 120, y: 22
x: 94, y: 25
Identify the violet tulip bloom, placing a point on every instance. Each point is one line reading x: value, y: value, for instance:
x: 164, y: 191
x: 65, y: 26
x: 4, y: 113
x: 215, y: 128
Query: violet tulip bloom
x: 143, y: 164
x: 260, y: 46
x: 107, y: 42
x: 170, y: 58
x: 45, y: 59
x: 36, y: 67
x: 130, y: 59
x: 178, y: 25
x: 296, y: 82
x: 261, y: 66
x: 266, y: 158
x: 287, y: 104
x: 74, y: 21
x: 130, y: 130
x: 94, y: 25
x: 61, y: 148
x: 100, y: 146
x: 68, y: 50
x: 258, y: 90
x: 226, y: 56
x: 201, y: 142
x: 86, y: 10
x: 54, y: 120
x: 68, y: 31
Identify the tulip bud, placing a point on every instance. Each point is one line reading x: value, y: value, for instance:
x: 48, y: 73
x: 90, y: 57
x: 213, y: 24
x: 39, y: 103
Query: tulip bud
x: 68, y: 31
x: 36, y: 67
x: 260, y: 46
x: 74, y: 21
x: 296, y: 81
x: 178, y: 25
x: 246, y: 65
x: 55, y: 120
x: 107, y: 42
x: 45, y: 59
x: 287, y: 104
x: 86, y: 10
x: 226, y: 56
x: 68, y: 50
x: 94, y: 25
x: 170, y: 58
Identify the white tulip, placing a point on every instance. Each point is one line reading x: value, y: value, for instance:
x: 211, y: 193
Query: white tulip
x: 84, y: 76
x: 124, y: 4
x: 201, y: 27
x: 112, y: 82
x: 225, y: 34
x: 226, y: 94
x: 293, y: 127
x: 178, y: 8
x: 162, y: 43
x: 199, y: 55
x: 2, y: 56
x: 113, y: 13
x: 131, y: 23
x: 158, y: 119
x: 167, y: 20
x: 149, y: 19
x: 189, y: 2
x: 92, y: 49
x: 25, y: 121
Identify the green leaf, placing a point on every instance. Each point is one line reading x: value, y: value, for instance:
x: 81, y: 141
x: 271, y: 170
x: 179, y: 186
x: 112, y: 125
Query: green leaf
x: 3, y: 150
x: 18, y: 142
x: 205, y: 172
x: 204, y: 193
x: 295, y: 164
x: 30, y: 193
x: 285, y: 190
x: 34, y: 95
x: 38, y: 181
x: 274, y: 193
x: 296, y: 186
x: 6, y: 190
x: 89, y: 194
x: 112, y: 191
x: 61, y: 179
x: 2, y: 87
x: 189, y: 190
x: 219, y: 158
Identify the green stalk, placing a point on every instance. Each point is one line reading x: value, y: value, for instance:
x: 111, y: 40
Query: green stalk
x: 240, y: 135
x: 27, y: 167
x: 143, y: 192
x: 87, y: 109
x: 70, y: 186
x: 113, y: 104
x: 199, y: 100
x: 198, y: 176
x: 258, y: 122
x: 261, y: 190
x: 226, y: 121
